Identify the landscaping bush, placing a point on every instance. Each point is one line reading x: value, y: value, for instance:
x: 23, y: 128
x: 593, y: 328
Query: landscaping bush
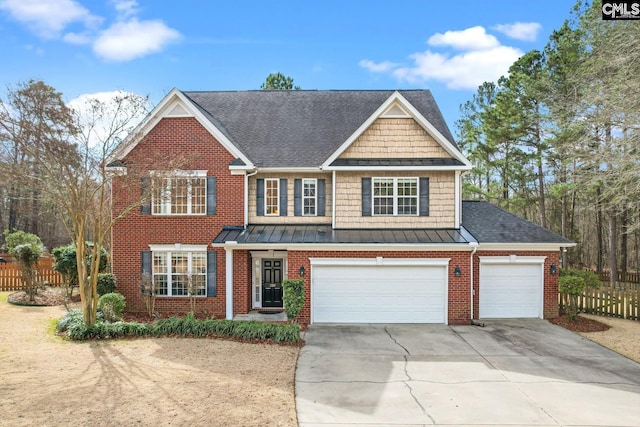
x: 77, y: 330
x: 572, y: 286
x: 112, y: 306
x: 106, y: 283
x: 293, y: 297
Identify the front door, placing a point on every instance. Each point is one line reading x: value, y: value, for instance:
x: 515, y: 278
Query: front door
x: 272, y: 282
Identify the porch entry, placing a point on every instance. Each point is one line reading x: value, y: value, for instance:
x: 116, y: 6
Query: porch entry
x: 272, y: 282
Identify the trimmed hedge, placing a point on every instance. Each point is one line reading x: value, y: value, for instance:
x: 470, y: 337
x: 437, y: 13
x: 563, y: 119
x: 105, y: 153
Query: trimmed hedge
x: 189, y: 326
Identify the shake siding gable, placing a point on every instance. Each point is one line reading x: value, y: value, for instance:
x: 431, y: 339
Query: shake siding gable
x: 394, y: 138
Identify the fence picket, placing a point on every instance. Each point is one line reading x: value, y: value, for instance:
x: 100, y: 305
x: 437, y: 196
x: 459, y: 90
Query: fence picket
x: 11, y: 275
x: 608, y: 301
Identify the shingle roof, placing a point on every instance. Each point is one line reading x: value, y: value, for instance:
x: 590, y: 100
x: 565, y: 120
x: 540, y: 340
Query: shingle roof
x: 299, y: 128
x: 284, y: 234
x: 491, y: 224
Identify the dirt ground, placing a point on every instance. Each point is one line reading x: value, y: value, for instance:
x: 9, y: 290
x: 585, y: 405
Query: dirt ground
x: 623, y: 336
x: 45, y: 380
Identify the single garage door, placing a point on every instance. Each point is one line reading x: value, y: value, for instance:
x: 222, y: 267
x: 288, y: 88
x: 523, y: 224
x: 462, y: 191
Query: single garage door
x: 378, y: 294
x: 510, y: 290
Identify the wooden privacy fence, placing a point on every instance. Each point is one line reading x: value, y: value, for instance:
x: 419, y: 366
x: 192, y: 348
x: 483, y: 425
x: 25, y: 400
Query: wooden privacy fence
x: 625, y: 277
x: 621, y: 301
x: 11, y: 275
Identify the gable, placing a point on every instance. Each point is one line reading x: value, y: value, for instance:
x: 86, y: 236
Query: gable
x: 176, y: 105
x: 394, y: 138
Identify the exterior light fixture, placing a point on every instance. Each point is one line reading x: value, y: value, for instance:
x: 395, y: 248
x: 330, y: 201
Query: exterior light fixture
x: 457, y: 271
x: 553, y: 269
x: 301, y: 271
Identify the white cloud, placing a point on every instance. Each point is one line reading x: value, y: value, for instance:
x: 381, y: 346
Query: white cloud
x: 77, y: 38
x: 126, y: 8
x: 470, y: 39
x: 482, y: 59
x: 110, y: 108
x: 377, y: 67
x: 47, y: 18
x: 526, y: 31
x: 464, y: 71
x: 124, y: 41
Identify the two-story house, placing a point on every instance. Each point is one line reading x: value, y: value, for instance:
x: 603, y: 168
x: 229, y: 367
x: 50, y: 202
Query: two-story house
x: 356, y: 192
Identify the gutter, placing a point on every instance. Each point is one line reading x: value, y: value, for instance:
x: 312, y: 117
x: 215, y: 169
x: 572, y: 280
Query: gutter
x: 246, y: 196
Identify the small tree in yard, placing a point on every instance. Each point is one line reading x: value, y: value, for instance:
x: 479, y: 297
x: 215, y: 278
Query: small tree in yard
x: 572, y: 286
x: 27, y: 249
x: 293, y: 297
x: 67, y: 265
x: 148, y: 291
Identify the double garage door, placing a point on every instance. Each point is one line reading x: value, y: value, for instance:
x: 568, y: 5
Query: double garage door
x: 379, y: 293
x: 366, y: 292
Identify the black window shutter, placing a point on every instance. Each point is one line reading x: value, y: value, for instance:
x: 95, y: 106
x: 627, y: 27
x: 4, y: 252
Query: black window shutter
x: 366, y: 196
x: 260, y: 197
x: 211, y: 274
x: 211, y: 195
x: 145, y: 208
x: 283, y: 197
x: 145, y: 263
x: 297, y: 197
x: 322, y: 199
x: 424, y: 196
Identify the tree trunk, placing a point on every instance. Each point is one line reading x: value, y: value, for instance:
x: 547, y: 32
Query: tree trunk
x: 613, y: 245
x: 624, y: 251
x: 599, y: 225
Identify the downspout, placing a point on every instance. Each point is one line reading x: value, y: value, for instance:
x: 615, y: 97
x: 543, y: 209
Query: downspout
x: 246, y: 197
x: 474, y: 245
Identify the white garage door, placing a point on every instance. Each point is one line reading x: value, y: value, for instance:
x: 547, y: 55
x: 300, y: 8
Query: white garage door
x: 510, y: 290
x: 378, y: 294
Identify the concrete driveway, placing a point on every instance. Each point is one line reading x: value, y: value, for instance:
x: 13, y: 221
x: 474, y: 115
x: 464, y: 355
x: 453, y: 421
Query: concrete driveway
x: 511, y: 372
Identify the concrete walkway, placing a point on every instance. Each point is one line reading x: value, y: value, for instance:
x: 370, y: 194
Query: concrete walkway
x: 513, y: 372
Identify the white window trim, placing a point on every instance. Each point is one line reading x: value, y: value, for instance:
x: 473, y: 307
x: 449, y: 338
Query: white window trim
x: 315, y: 197
x: 395, y: 195
x: 178, y: 247
x: 179, y: 174
x: 266, y: 198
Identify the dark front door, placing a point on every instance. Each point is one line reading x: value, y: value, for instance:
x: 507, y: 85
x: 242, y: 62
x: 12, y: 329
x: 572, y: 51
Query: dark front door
x: 272, y: 283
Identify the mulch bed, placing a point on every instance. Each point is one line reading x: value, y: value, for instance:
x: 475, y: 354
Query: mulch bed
x: 44, y: 297
x: 581, y: 324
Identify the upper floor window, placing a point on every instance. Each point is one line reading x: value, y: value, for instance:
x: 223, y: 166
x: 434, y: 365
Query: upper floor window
x: 272, y: 196
x: 182, y: 194
x: 309, y: 196
x: 395, y: 196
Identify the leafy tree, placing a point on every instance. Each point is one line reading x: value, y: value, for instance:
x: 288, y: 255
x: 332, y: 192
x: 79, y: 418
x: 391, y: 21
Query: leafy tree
x: 278, y: 81
x: 27, y: 249
x: 73, y: 171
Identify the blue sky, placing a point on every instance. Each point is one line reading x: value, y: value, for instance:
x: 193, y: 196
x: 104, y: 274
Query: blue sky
x: 150, y: 46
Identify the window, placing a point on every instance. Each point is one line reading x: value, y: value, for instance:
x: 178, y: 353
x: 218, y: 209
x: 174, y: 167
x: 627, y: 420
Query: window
x: 309, y: 197
x: 175, y: 273
x: 184, y: 194
x: 395, y: 196
x: 272, y: 196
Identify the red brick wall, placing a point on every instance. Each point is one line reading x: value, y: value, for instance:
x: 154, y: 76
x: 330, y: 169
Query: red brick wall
x: 170, y: 139
x: 550, y: 305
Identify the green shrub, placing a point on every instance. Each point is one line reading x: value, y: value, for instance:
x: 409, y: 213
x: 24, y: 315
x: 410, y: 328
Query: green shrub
x: 112, y: 305
x: 76, y: 329
x: 106, y: 283
x: 70, y: 317
x: 573, y: 286
x: 293, y: 297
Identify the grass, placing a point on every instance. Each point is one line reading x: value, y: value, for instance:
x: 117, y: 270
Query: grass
x: 4, y: 296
